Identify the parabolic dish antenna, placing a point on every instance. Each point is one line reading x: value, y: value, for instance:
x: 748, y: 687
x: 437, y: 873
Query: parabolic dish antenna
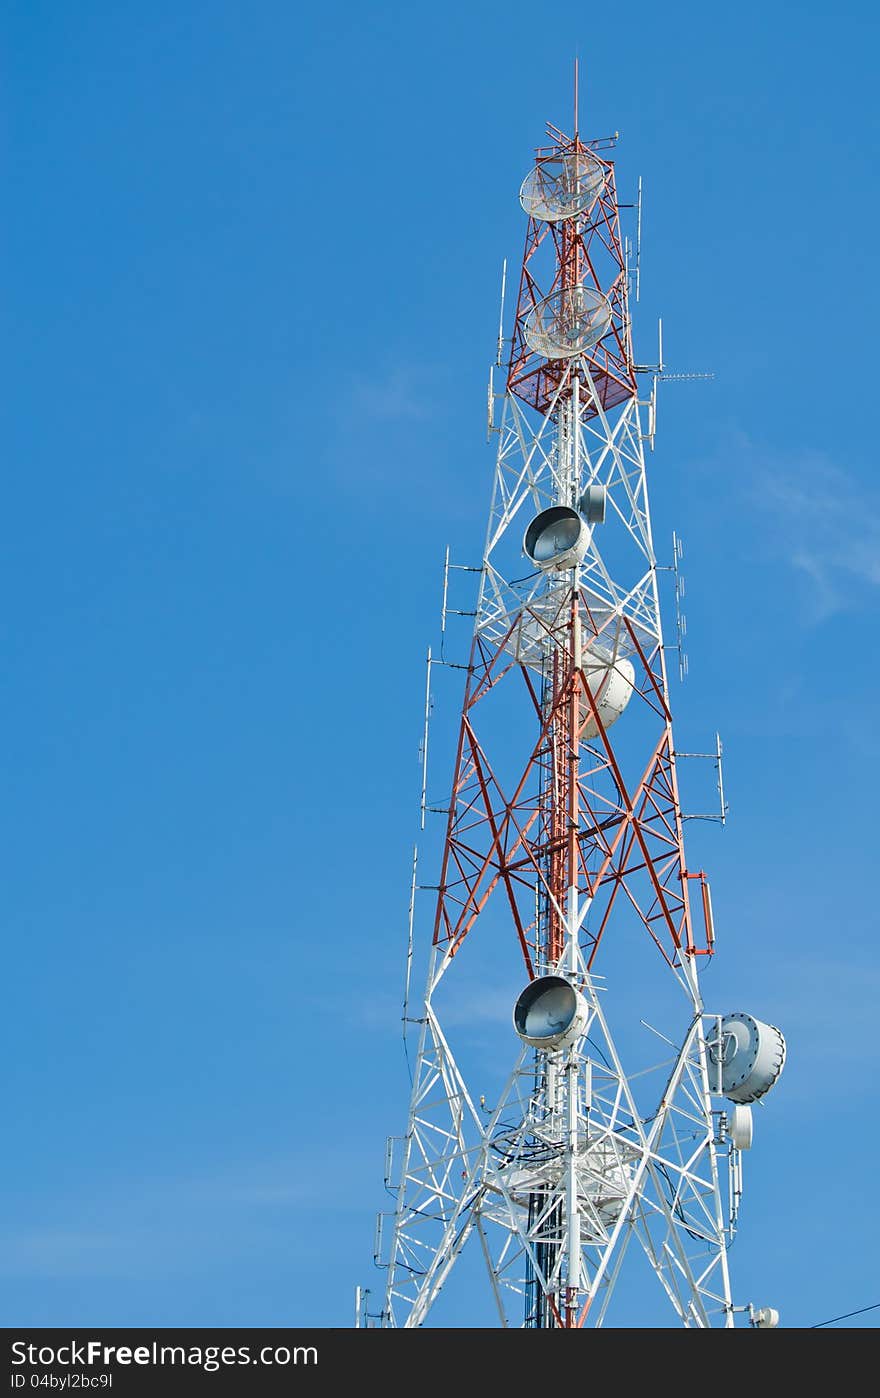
x: 567, y: 322
x: 556, y: 538
x: 550, y: 1013
x: 562, y: 186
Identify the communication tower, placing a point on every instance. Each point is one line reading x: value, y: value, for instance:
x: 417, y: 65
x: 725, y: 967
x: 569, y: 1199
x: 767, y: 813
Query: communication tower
x: 574, y: 1145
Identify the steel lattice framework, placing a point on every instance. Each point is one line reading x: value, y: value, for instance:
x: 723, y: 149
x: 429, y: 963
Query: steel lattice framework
x: 564, y: 837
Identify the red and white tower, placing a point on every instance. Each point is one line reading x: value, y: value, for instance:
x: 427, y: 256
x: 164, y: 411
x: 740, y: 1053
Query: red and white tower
x: 577, y: 1140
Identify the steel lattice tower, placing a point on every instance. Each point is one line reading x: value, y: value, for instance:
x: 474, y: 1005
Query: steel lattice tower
x: 564, y: 856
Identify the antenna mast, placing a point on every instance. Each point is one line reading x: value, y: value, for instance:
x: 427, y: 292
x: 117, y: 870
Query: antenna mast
x: 565, y: 1152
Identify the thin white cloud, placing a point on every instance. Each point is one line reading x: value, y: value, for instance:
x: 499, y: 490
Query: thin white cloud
x: 400, y: 394
x: 145, y: 1226
x: 69, y: 1252
x: 477, y: 1007
x: 826, y: 523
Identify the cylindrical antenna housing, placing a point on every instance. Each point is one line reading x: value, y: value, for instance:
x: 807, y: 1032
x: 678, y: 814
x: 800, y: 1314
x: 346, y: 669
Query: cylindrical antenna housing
x: 751, y: 1055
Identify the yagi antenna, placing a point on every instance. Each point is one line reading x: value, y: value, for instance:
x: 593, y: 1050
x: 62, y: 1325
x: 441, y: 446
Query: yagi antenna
x: 638, y: 237
x: 409, y: 945
x: 500, y: 349
x: 424, y: 753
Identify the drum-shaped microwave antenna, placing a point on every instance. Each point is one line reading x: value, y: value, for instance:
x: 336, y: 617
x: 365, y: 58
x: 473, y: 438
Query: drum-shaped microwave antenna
x: 562, y: 186
x: 567, y: 322
x: 556, y: 538
x: 550, y: 1013
x: 593, y: 502
x: 611, y: 680
x: 740, y: 1127
x: 766, y: 1318
x: 751, y: 1056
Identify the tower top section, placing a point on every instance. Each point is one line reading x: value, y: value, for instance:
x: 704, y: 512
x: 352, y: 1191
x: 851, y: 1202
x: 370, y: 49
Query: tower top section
x: 572, y: 315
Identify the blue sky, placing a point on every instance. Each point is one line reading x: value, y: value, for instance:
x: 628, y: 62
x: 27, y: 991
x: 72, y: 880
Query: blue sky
x: 250, y: 265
